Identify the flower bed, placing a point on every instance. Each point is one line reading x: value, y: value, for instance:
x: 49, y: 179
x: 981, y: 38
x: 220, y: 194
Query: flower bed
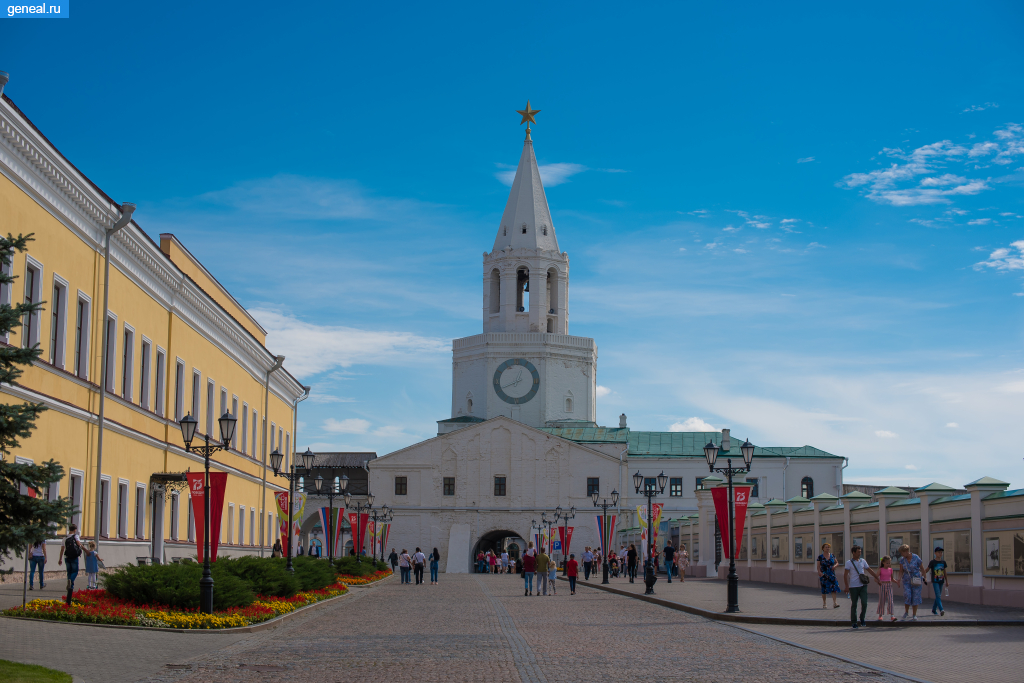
x: 99, y: 607
x: 350, y: 580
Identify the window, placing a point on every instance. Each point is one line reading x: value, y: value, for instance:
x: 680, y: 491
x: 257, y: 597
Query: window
x: 140, y: 511
x: 252, y: 526
x: 807, y: 487
x: 700, y: 484
x: 105, y: 506
x: 449, y: 486
x: 499, y: 486
x: 234, y: 414
x: 58, y: 318
x: 273, y: 430
x: 127, y: 363
x: 75, y: 493
x: 122, y: 509
x: 211, y: 416
x: 191, y: 521
x: 179, y: 390
x: 675, y: 487
x: 568, y: 405
x: 593, y: 485
x: 110, y: 349
x: 401, y: 486
x: 223, y: 402
x: 287, y: 447
x: 255, y: 420
x: 5, y: 292
x: 650, y: 484
x: 82, y: 338
x: 161, y: 380
x: 145, y: 370
x: 753, y: 489
x: 30, y: 324
x: 174, y: 516
x: 469, y: 406
x: 241, y: 525
x: 231, y: 524
x: 245, y: 429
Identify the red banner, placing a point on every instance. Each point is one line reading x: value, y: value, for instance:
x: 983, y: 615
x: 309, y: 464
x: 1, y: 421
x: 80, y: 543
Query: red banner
x: 358, y: 522
x: 741, y: 496
x: 218, y: 483
x: 565, y: 536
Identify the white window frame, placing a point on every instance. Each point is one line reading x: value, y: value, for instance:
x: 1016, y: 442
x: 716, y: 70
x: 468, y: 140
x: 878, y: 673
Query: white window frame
x: 223, y: 402
x: 160, y: 387
x: 230, y: 540
x: 197, y: 396
x: 59, y: 331
x: 252, y: 526
x: 33, y: 337
x: 175, y: 514
x: 5, y: 293
x: 241, y: 525
x: 245, y: 429
x: 179, y: 389
x: 80, y: 365
x: 128, y: 362
x: 123, y: 502
x: 211, y: 390
x: 145, y: 372
x: 76, y: 486
x: 140, y: 510
x: 287, y: 448
x: 105, y: 488
x: 234, y: 414
x: 255, y: 436
x: 111, y: 351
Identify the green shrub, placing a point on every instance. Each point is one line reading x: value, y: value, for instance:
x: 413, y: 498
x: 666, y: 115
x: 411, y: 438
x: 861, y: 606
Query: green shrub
x: 362, y: 566
x: 176, y: 585
x: 265, y: 575
x: 312, y: 573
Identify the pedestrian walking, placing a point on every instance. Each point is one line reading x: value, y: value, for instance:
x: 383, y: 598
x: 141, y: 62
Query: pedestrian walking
x: 885, y: 584
x: 492, y: 562
x: 435, y: 559
x: 937, y: 568
x: 278, y: 549
x: 542, y: 571
x: 92, y: 566
x: 912, y: 575
x: 418, y: 561
x: 529, y: 566
x: 393, y: 559
x: 37, y: 559
x: 572, y: 570
x: 588, y: 563
x: 631, y: 560
x: 552, y: 573
x: 670, y: 556
x: 405, y: 565
x: 855, y: 580
x: 827, y: 576
x: 684, y: 562
x: 71, y: 550
x: 481, y: 562
x: 504, y: 562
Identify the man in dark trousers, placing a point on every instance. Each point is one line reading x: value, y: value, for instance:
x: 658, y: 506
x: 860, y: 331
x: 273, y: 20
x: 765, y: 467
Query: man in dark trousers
x: 670, y: 554
x: 393, y: 559
x: 71, y: 550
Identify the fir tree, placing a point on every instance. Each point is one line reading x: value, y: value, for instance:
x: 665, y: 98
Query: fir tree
x: 24, y: 519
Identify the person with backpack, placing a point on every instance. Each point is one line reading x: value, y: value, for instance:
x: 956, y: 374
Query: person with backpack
x: 71, y: 550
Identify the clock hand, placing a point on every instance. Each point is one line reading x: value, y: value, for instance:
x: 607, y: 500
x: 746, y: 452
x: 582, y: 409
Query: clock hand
x: 516, y: 381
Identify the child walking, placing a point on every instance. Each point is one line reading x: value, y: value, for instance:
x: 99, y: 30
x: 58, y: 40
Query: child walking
x: 92, y: 566
x: 885, y: 583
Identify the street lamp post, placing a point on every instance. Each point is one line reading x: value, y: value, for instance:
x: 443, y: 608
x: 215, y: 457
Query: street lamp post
x: 188, y: 431
x: 650, y: 492
x: 384, y: 516
x: 711, y: 453
x: 604, y: 505
x: 296, y: 473
x: 360, y: 509
x: 566, y: 516
x: 333, y: 489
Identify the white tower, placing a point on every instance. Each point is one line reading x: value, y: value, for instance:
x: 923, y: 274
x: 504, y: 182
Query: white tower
x: 524, y: 365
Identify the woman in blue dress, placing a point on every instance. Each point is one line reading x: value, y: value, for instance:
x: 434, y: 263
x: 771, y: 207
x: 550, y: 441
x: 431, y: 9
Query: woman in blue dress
x: 827, y: 576
x: 913, y: 580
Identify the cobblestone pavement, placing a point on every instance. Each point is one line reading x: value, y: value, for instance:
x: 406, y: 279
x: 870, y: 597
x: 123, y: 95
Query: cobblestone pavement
x: 482, y: 628
x: 11, y: 593
x: 797, y: 602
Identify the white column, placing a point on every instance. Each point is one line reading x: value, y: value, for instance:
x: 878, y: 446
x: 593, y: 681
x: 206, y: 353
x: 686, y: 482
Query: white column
x: 563, y: 303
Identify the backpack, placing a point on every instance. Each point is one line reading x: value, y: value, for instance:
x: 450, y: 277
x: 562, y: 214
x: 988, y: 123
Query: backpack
x: 71, y: 549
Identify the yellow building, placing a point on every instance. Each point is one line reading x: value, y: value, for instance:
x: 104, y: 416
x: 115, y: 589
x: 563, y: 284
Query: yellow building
x: 179, y: 343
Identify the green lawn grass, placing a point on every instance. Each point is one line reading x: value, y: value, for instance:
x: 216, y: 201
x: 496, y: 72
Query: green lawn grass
x: 12, y: 672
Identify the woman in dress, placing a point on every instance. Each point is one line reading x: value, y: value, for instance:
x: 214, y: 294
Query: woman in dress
x: 684, y: 562
x: 827, y: 576
x: 913, y: 580
x: 631, y: 559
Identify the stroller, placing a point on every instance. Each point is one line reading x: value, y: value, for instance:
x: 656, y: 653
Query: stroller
x: 613, y: 566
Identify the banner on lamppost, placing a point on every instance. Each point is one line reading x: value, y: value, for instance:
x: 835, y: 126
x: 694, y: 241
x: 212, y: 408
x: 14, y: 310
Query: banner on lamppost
x: 741, y: 497
x: 605, y: 533
x: 565, y: 535
x: 358, y: 523
x: 328, y: 524
x: 218, y: 483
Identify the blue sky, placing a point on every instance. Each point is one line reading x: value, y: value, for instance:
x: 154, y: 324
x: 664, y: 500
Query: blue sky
x: 803, y: 224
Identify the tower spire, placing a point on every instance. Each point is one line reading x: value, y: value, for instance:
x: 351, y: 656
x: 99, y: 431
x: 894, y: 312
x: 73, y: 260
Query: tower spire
x: 528, y: 115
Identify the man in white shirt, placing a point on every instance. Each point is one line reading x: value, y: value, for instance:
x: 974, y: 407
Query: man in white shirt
x: 856, y: 586
x: 418, y: 560
x: 588, y: 563
x: 504, y: 562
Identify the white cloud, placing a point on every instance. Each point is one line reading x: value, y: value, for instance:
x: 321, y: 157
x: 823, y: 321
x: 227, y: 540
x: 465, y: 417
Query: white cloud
x: 759, y: 224
x: 980, y: 107
x: 740, y: 251
x: 952, y: 425
x: 884, y: 434
x: 1011, y: 388
x: 328, y: 398
x: 700, y: 213
x: 943, y: 180
x: 787, y: 221
x: 352, y: 425
x: 804, y: 160
x: 311, y: 349
x: 1004, y: 258
x: 682, y: 248
x: 731, y: 229
x: 550, y: 174
x: 691, y: 424
x: 712, y: 245
x: 979, y: 221
x: 602, y: 391
x: 911, y: 467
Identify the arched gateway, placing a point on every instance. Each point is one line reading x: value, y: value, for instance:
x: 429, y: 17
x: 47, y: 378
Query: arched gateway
x: 498, y: 541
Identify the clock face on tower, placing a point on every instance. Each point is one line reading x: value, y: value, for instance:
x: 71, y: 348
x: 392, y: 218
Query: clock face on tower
x: 516, y: 381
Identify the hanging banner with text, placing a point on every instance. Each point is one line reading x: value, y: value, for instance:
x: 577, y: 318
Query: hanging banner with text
x: 741, y: 496
x: 358, y: 523
x: 565, y: 534
x: 218, y: 483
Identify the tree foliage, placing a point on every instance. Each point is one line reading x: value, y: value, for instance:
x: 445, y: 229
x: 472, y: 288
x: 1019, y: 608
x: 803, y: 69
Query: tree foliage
x: 23, y: 519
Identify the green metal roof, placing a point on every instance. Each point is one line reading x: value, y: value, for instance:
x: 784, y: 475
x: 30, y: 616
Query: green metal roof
x: 856, y: 495
x: 908, y: 501
x: 1005, y: 494
x: 987, y: 481
x: 678, y: 443
x: 461, y: 419
x: 935, y: 486
x: 892, y: 491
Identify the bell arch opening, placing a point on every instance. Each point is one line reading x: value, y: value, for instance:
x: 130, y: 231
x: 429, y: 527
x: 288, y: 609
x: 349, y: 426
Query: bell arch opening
x: 498, y: 541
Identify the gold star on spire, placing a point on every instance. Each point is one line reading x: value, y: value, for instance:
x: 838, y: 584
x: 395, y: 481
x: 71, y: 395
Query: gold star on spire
x: 527, y: 115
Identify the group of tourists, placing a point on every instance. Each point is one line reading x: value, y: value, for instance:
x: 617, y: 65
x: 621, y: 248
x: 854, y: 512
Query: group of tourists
x: 71, y: 550
x: 413, y: 565
x: 858, y: 574
x: 491, y: 563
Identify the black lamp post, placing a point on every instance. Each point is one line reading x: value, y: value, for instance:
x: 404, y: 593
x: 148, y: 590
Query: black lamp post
x: 188, y: 432
x: 385, y: 515
x: 360, y: 509
x: 565, y: 516
x: 295, y: 474
x: 604, y: 505
x: 332, y: 490
x: 711, y: 453
x: 650, y: 491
